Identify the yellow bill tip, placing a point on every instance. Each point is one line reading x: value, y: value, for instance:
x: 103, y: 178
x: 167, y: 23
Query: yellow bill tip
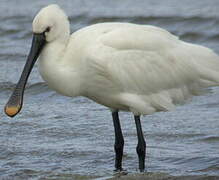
x: 12, y: 111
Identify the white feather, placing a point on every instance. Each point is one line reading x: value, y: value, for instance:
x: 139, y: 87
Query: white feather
x: 137, y: 68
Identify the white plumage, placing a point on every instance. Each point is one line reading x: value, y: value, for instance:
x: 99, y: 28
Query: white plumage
x: 137, y: 68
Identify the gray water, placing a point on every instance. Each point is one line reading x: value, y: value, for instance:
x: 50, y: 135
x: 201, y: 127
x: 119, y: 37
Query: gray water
x: 55, y: 137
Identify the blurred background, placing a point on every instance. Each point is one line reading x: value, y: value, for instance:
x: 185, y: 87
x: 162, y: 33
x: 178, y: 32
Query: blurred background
x: 56, y: 137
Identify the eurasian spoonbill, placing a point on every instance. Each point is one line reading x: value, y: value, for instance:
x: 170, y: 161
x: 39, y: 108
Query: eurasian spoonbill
x: 138, y: 68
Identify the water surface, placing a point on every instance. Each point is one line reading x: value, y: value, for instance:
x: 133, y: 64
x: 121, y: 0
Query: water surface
x: 56, y: 137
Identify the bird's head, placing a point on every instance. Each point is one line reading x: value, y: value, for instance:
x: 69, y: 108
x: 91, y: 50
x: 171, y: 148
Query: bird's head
x: 50, y: 24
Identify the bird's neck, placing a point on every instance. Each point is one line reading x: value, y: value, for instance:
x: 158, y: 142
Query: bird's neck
x: 59, y: 70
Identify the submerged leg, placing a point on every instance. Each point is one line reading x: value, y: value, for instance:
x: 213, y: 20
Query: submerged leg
x: 141, y: 147
x: 119, y: 141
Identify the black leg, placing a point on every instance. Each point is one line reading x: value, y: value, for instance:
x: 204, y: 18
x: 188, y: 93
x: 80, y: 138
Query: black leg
x: 141, y: 147
x: 119, y: 141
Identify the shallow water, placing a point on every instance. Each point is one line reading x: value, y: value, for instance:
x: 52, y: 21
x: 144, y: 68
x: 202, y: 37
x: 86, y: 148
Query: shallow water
x: 56, y: 137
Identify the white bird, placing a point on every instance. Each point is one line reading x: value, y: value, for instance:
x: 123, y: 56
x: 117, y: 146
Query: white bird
x: 138, y: 68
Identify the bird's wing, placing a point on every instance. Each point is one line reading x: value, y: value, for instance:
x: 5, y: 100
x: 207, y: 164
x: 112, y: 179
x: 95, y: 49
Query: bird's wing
x: 149, y: 68
x: 143, y: 61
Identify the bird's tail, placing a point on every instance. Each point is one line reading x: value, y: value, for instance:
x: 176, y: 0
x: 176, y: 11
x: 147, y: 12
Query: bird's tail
x: 206, y: 62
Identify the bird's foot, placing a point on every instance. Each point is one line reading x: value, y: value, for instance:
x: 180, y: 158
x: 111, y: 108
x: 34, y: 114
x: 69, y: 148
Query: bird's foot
x: 120, y: 172
x: 142, y: 171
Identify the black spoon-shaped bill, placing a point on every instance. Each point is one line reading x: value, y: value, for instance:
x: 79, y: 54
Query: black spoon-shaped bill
x: 15, y: 102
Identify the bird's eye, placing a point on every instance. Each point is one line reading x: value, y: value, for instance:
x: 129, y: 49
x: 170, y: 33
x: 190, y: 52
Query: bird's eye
x: 47, y: 29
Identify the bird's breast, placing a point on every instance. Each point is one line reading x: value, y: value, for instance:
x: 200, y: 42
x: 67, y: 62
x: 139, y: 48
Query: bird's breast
x: 60, y: 75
